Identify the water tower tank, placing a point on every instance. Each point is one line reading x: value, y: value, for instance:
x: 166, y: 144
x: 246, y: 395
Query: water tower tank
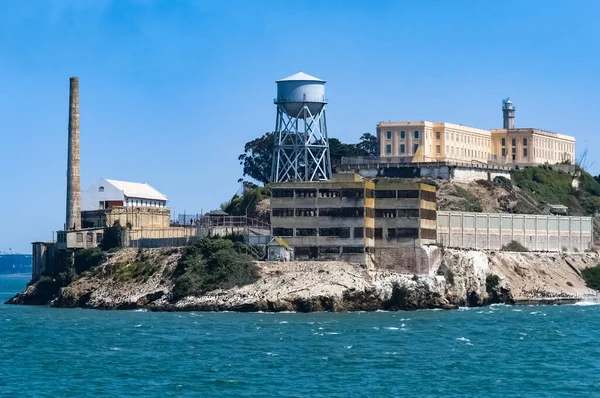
x: 299, y: 90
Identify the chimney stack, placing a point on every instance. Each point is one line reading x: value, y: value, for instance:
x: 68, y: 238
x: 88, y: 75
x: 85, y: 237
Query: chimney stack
x: 73, y: 171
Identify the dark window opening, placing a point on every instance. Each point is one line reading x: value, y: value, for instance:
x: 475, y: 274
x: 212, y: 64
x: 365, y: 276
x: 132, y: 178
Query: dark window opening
x: 353, y: 249
x: 306, y: 212
x: 282, y: 193
x: 370, y: 232
x: 283, y: 231
x: 378, y: 233
x: 306, y: 193
x: 329, y: 212
x: 385, y: 194
x: 330, y: 193
x: 353, y: 193
x: 385, y: 213
x: 408, y: 213
x: 352, y: 212
x: 306, y: 232
x: 407, y: 232
x: 335, y: 232
x: 329, y: 250
x: 283, y: 212
x: 359, y: 232
x: 370, y: 212
x: 403, y: 194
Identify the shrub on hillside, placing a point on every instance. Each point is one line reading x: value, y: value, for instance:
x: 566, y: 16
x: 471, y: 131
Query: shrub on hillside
x: 514, y: 246
x: 591, y: 276
x: 86, y: 259
x: 491, y: 282
x: 213, y: 263
x: 114, y: 237
x: 472, y: 202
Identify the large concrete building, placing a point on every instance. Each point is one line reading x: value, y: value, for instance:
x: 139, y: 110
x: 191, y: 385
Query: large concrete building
x: 355, y: 219
x: 529, y: 145
x: 423, y: 141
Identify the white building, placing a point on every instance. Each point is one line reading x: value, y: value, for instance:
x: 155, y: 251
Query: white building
x: 107, y: 193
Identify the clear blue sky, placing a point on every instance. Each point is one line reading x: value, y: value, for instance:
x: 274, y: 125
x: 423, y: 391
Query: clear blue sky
x: 171, y: 90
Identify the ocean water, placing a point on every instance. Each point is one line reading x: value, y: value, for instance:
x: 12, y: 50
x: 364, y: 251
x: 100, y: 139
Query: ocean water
x: 499, y: 351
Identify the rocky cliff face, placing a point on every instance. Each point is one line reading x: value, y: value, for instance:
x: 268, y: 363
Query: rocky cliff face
x: 462, y: 278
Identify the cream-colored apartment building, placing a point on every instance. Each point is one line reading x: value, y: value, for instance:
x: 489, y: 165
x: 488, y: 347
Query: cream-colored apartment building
x: 528, y: 145
x: 437, y: 141
x: 424, y: 141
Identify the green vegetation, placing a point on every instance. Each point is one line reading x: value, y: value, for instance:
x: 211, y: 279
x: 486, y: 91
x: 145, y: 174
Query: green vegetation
x: 257, y: 158
x: 138, y: 271
x: 212, y: 263
x: 473, y: 203
x: 114, y: 237
x: 591, y: 276
x: 491, y: 283
x: 246, y: 204
x: 47, y: 286
x: 86, y: 259
x: 514, y: 246
x: 550, y: 186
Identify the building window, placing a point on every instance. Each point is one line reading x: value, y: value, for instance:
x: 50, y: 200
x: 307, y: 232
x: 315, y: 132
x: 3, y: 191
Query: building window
x: 388, y: 148
x: 524, y: 141
x: 503, y: 142
x: 524, y: 152
x: 437, y: 135
x: 416, y: 146
x: 514, y: 142
x: 101, y: 205
x: 79, y: 237
x: 389, y: 135
x: 416, y: 134
x: 402, y: 148
x: 438, y: 149
x: 503, y: 152
x: 100, y: 189
x: 402, y: 135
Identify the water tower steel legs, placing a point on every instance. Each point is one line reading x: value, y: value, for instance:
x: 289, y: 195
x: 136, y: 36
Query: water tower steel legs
x: 301, y: 147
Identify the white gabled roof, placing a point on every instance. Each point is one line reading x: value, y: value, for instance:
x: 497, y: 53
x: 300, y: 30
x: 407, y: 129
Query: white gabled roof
x: 137, y: 190
x: 302, y: 77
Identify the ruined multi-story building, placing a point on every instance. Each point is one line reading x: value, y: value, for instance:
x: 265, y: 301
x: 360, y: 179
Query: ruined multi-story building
x: 355, y: 219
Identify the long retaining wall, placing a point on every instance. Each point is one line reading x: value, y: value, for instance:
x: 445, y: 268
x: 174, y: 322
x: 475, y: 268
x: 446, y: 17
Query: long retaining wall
x: 491, y: 231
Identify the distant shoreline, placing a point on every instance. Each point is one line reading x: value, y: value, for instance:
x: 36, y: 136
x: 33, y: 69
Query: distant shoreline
x: 18, y: 274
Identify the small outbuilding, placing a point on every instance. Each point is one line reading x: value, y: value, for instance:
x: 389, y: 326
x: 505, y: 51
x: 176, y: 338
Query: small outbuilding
x: 560, y: 210
x: 279, y: 250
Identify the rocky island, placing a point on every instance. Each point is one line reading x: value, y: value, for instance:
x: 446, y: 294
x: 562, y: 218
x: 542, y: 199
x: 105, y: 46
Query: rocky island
x: 222, y: 275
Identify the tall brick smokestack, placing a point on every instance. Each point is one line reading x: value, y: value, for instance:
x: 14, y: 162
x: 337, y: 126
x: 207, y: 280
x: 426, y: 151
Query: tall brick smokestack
x: 73, y: 172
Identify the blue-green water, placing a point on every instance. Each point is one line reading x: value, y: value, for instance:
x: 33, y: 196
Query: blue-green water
x: 493, y: 352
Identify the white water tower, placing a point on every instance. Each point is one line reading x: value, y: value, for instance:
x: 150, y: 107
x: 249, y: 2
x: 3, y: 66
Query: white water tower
x: 301, y: 151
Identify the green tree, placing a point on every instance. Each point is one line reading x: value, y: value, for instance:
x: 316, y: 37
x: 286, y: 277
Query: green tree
x: 114, y: 237
x: 257, y: 158
x: 368, y: 145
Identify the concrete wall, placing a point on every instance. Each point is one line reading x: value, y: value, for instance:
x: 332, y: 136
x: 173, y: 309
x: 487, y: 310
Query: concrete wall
x: 137, y: 217
x: 490, y: 231
x: 420, y: 260
x: 467, y: 174
x: 395, y: 168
